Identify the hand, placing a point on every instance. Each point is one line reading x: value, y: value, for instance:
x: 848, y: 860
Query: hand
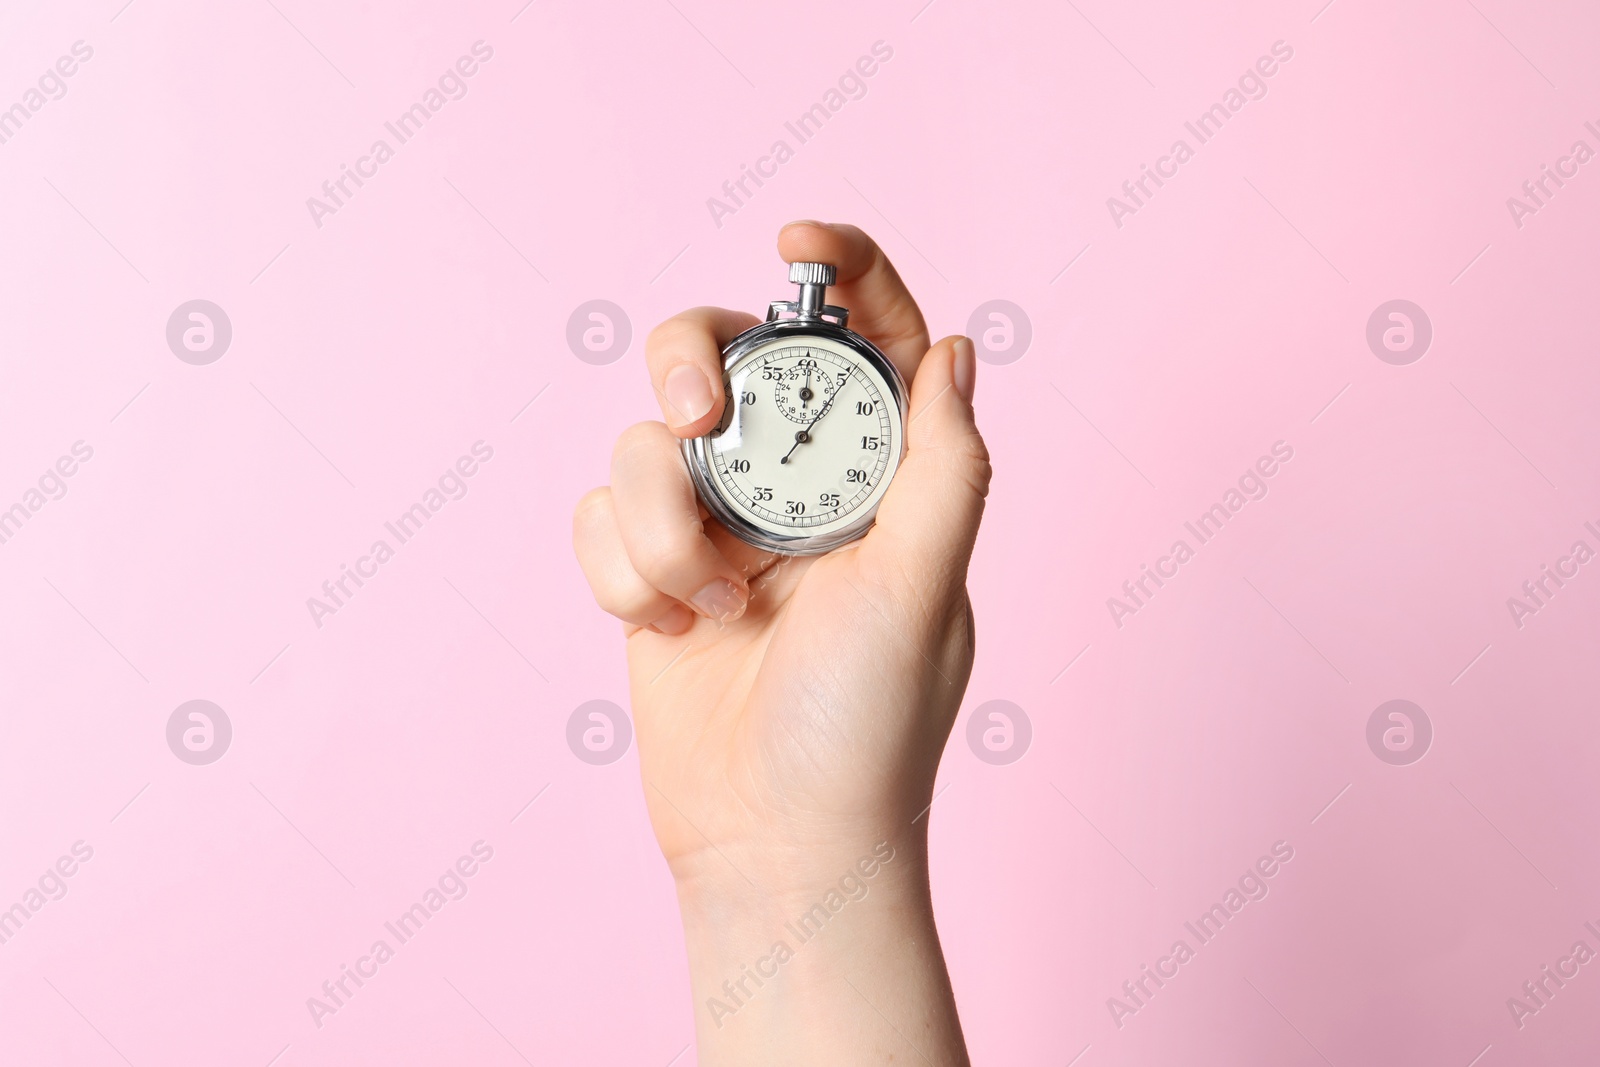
x: 791, y: 713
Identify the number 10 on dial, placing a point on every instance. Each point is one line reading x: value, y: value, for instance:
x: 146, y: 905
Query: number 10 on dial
x: 812, y: 432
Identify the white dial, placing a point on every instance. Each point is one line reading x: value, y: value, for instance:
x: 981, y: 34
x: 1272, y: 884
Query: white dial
x: 810, y: 438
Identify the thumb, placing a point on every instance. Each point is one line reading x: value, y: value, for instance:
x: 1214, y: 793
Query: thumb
x: 928, y: 520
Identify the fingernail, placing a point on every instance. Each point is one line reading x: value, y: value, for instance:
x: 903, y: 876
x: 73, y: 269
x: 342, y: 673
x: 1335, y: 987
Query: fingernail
x: 688, y: 393
x: 805, y: 222
x: 720, y: 600
x: 965, y: 371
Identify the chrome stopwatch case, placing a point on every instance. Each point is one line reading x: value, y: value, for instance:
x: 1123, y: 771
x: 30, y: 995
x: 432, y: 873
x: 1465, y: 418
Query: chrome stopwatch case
x: 812, y: 431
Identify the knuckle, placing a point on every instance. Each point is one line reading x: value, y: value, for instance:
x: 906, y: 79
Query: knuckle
x: 684, y: 331
x: 665, y: 556
x: 640, y: 437
x: 975, y: 463
x: 640, y: 433
x: 592, y: 507
x: 590, y: 519
x: 629, y: 602
x: 965, y: 458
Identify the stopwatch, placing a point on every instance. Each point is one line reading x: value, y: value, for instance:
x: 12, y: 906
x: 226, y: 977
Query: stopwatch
x: 812, y: 431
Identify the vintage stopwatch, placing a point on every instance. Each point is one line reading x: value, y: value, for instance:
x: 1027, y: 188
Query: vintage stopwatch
x: 812, y: 432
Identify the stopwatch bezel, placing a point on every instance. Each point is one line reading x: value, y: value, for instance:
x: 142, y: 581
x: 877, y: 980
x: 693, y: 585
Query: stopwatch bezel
x: 695, y: 452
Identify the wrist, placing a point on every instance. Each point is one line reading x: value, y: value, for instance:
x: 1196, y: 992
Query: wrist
x: 800, y: 954
x: 754, y: 880
x: 775, y: 944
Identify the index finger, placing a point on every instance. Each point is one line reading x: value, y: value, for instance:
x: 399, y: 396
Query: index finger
x: 684, y: 355
x: 881, y: 307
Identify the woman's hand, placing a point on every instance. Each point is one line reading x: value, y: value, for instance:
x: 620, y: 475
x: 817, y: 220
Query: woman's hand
x: 791, y: 712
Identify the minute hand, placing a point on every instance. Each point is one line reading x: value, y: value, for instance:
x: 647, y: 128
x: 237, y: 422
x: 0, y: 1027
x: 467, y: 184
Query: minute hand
x: 805, y: 435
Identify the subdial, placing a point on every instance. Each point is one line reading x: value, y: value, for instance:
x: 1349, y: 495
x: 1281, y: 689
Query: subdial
x: 802, y: 392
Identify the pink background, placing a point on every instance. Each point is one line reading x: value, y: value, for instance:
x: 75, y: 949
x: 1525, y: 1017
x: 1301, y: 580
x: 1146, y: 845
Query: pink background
x: 368, y: 354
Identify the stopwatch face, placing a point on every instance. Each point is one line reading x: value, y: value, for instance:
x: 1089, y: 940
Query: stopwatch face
x: 810, y: 437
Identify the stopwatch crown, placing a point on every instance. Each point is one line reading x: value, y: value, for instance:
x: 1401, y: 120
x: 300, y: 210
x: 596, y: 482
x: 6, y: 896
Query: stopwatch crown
x: 812, y: 273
